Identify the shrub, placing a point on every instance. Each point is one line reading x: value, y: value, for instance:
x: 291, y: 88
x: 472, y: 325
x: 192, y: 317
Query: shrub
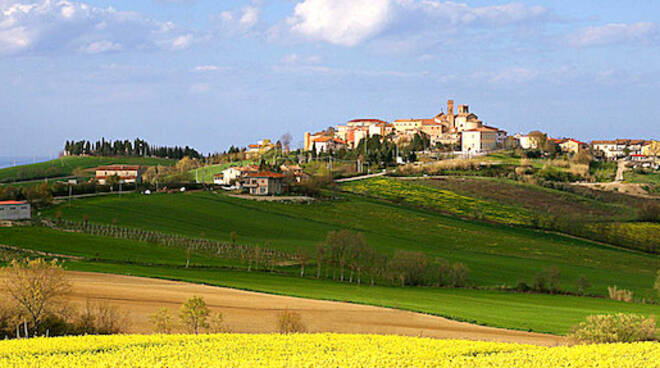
x: 217, y: 324
x: 621, y: 295
x: 459, y: 274
x: 162, y: 321
x: 289, y: 322
x: 581, y: 284
x: 615, y: 328
x: 656, y: 286
x: 97, y: 319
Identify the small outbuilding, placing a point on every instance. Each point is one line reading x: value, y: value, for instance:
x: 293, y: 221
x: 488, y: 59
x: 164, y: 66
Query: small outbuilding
x: 15, y: 210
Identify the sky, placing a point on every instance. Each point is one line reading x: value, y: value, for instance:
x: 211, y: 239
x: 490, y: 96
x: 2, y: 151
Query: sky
x: 211, y: 74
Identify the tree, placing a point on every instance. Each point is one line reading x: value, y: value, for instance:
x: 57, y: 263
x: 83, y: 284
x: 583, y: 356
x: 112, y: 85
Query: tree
x: 36, y: 286
x: 302, y: 257
x: 162, y: 321
x: 217, y: 324
x: 194, y: 314
x: 656, y: 286
x: 581, y: 284
x: 289, y: 322
x: 459, y: 273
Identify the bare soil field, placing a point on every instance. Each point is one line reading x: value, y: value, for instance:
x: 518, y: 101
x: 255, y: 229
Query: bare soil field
x: 250, y: 312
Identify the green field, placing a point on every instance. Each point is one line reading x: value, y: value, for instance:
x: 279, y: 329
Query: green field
x: 206, y: 174
x: 496, y: 255
x: 65, y: 166
x: 543, y: 313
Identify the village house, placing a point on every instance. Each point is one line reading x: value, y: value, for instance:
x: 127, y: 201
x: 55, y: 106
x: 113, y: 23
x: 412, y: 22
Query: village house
x: 651, y: 149
x: 293, y: 170
x: 126, y: 174
x: 264, y: 183
x: 478, y: 140
x: 618, y: 148
x: 233, y: 174
x: 327, y: 144
x: 14, y: 210
x: 572, y: 146
x: 254, y: 151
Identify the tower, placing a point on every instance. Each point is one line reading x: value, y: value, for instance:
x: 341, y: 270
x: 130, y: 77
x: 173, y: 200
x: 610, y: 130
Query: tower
x: 450, y: 113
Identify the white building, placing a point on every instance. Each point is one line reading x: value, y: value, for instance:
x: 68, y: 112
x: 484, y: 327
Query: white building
x: 15, y: 210
x: 478, y: 140
x: 125, y: 173
x: 233, y: 174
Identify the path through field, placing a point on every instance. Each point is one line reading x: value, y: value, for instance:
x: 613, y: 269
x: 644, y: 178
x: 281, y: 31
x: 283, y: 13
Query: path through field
x: 252, y: 312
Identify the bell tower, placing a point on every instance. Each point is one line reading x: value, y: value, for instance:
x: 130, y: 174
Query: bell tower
x: 450, y: 114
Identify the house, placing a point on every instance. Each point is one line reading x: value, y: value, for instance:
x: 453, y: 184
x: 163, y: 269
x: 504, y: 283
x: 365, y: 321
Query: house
x: 233, y: 174
x: 264, y: 183
x: 254, y: 151
x: 124, y: 173
x: 293, y: 170
x: 327, y: 144
x: 14, y: 210
x: 651, y: 149
x: 477, y: 140
x: 618, y: 148
x: 572, y: 146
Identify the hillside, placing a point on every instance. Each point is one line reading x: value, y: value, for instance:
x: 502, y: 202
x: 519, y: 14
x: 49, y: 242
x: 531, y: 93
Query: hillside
x: 206, y: 174
x: 496, y: 254
x: 66, y: 166
x: 609, y: 217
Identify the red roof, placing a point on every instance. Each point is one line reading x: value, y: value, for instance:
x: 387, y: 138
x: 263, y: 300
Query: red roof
x: 367, y: 121
x: 118, y: 167
x: 120, y: 178
x: 6, y: 203
x: 574, y: 140
x: 482, y: 129
x: 638, y: 155
x: 265, y: 174
x: 326, y: 139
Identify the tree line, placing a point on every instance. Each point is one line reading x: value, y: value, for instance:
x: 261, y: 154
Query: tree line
x: 136, y: 148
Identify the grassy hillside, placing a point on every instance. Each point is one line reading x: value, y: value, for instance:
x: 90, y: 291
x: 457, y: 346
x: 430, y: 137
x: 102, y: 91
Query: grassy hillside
x: 495, y: 254
x: 604, y: 217
x: 543, y: 313
x: 65, y: 166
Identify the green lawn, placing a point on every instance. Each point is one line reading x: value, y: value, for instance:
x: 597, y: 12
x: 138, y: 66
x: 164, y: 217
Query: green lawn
x: 65, y: 166
x: 206, y: 174
x: 495, y: 254
x: 540, y: 313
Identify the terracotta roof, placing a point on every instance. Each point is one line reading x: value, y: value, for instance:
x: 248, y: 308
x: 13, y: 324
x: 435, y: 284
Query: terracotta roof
x: 638, y: 155
x: 406, y: 120
x: 603, y: 142
x: 428, y: 122
x: 121, y: 177
x: 482, y: 129
x: 367, y: 121
x: 118, y: 167
x: 326, y: 139
x: 9, y: 203
x: 265, y: 174
x: 574, y: 140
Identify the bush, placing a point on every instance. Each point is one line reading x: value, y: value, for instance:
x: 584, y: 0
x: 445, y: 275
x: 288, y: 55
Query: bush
x: 615, y: 328
x: 621, y: 295
x: 290, y: 322
x: 162, y: 321
x: 97, y: 319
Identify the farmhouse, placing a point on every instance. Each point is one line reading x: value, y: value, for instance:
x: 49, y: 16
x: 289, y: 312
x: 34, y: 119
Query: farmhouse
x: 233, y: 174
x: 328, y: 144
x: 256, y: 150
x: 14, y: 210
x: 124, y: 173
x: 264, y: 183
x: 293, y: 170
x: 614, y: 149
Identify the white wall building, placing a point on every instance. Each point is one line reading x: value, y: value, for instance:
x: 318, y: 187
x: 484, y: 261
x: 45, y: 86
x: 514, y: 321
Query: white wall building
x: 15, y: 210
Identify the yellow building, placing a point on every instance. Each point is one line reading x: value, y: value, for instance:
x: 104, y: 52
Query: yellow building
x: 651, y: 149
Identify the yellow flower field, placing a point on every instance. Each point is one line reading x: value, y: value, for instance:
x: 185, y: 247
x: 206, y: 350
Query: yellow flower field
x: 320, y: 350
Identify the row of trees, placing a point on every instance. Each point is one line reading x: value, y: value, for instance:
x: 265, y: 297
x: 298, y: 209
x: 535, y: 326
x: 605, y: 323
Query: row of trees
x: 136, y: 148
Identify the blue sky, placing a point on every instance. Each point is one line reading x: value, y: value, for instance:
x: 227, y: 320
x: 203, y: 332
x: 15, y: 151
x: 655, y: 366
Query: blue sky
x: 214, y: 73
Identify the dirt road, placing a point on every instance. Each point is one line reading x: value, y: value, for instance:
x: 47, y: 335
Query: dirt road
x: 251, y: 312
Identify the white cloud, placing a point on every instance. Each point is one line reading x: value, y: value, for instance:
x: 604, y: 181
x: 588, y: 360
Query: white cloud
x: 297, y: 59
x: 350, y: 22
x: 48, y: 25
x: 101, y: 47
x: 238, y: 21
x: 210, y: 68
x: 341, y: 22
x: 617, y: 33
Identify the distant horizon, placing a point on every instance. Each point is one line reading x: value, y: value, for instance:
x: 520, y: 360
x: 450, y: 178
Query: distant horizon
x: 213, y: 74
